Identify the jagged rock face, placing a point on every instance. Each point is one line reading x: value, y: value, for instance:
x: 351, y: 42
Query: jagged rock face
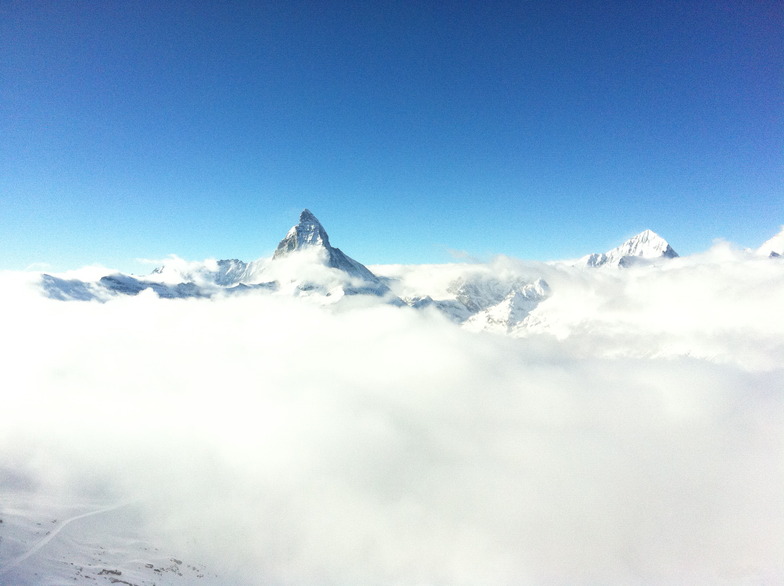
x: 230, y: 272
x: 478, y: 293
x: 309, y: 232
x: 510, y: 312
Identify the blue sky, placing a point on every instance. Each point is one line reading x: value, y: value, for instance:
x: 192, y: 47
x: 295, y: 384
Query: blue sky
x: 540, y: 130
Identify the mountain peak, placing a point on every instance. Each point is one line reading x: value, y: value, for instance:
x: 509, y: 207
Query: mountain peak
x: 309, y: 232
x: 647, y: 245
x: 307, y: 217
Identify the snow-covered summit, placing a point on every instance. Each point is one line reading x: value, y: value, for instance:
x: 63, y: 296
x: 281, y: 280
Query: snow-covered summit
x: 774, y: 246
x: 646, y: 245
x: 309, y: 232
x: 309, y: 236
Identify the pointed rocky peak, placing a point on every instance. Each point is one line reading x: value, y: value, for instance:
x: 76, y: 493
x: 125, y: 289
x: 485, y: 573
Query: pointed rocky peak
x: 646, y: 245
x: 309, y: 235
x: 309, y: 232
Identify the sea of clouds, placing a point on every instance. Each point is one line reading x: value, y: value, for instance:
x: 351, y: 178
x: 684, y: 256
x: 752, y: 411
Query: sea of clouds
x: 636, y: 434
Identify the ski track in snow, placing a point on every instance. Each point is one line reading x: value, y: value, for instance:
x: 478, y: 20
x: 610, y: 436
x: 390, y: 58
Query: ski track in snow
x: 38, y: 546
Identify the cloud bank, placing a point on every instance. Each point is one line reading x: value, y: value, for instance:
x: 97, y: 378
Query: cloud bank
x: 285, y: 443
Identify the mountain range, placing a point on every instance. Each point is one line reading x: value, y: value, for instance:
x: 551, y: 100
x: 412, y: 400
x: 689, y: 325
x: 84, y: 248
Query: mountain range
x: 305, y: 264
x: 300, y: 406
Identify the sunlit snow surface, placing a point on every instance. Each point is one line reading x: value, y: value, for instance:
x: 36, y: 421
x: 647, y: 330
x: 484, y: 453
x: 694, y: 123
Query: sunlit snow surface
x: 773, y: 247
x: 52, y: 541
x: 629, y: 429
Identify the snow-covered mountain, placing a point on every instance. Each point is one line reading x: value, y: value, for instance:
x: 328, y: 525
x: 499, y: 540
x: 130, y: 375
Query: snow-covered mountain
x: 466, y: 293
x: 225, y: 273
x: 304, y: 264
x: 510, y: 313
x: 306, y: 246
x: 499, y: 297
x: 645, y: 246
x: 773, y: 247
x: 309, y: 232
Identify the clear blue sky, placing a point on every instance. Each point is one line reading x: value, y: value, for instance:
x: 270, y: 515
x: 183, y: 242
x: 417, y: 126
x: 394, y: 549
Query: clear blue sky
x: 540, y: 130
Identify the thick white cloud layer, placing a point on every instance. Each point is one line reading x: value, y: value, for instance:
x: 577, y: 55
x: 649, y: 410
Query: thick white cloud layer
x: 280, y: 442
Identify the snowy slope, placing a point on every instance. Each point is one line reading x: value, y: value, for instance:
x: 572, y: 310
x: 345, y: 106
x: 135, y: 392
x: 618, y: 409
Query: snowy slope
x: 225, y: 272
x: 50, y: 542
x: 773, y: 247
x: 474, y: 295
x: 510, y: 312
